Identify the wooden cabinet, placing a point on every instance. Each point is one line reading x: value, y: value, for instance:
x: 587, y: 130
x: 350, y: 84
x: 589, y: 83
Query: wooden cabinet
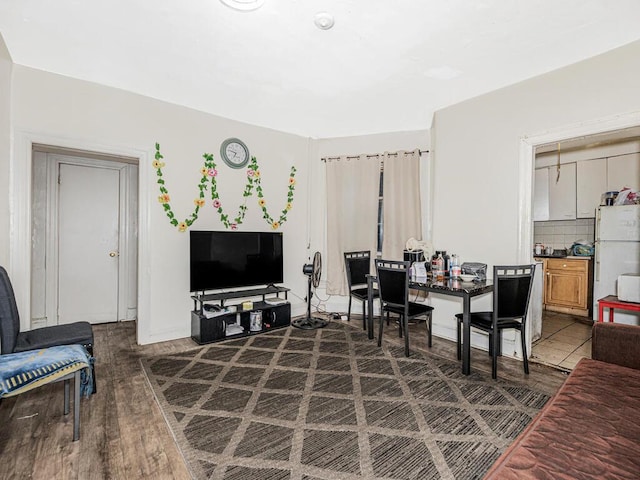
x: 591, y: 183
x: 568, y: 285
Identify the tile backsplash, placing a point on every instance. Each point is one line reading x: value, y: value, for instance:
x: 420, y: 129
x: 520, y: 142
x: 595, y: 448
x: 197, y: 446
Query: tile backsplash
x: 562, y: 233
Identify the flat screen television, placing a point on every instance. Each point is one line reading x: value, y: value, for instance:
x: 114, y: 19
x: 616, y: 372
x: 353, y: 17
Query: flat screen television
x: 227, y: 259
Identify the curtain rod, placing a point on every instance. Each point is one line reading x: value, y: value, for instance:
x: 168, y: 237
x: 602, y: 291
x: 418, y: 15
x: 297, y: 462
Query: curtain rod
x: 348, y: 157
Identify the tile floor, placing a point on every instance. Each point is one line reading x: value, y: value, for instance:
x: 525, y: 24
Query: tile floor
x: 565, y: 340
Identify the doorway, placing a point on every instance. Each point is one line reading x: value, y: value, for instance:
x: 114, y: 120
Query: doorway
x: 84, y: 237
x: 551, y: 326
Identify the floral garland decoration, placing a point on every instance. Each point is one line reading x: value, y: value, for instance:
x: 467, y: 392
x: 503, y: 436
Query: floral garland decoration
x: 275, y: 224
x: 217, y: 203
x: 209, y: 173
x: 165, y: 198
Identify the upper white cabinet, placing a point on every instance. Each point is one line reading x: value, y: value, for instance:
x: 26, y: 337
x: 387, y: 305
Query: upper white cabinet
x: 578, y: 190
x: 623, y: 171
x: 541, y: 195
x: 562, y: 192
x: 591, y: 183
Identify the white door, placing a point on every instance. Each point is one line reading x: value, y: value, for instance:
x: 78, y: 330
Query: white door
x: 88, y: 257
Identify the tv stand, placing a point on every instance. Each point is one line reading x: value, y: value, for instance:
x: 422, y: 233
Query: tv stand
x: 225, y: 323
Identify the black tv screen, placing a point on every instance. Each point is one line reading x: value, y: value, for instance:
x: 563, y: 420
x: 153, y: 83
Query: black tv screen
x: 221, y: 260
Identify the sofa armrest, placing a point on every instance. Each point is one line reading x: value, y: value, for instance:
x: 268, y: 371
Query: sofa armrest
x: 616, y: 343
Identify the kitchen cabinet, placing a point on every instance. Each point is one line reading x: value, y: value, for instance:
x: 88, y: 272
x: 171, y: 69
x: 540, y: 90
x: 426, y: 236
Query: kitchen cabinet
x: 554, y: 200
x: 562, y: 192
x: 568, y: 285
x: 623, y: 171
x: 541, y: 195
x: 591, y: 183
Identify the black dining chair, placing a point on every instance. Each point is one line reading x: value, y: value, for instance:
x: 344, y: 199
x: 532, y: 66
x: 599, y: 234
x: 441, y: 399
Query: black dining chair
x: 358, y: 266
x: 12, y: 340
x: 511, y: 294
x: 393, y: 284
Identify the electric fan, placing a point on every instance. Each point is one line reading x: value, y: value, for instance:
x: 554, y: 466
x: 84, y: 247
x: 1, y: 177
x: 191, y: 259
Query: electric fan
x: 312, y: 271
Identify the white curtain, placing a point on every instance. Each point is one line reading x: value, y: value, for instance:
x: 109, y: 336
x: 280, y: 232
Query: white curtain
x: 401, y: 202
x: 352, y: 207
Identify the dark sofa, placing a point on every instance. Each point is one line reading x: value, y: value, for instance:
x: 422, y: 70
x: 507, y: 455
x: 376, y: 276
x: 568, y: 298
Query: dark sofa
x: 590, y: 429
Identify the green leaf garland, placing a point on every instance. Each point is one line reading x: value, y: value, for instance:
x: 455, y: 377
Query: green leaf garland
x: 209, y: 173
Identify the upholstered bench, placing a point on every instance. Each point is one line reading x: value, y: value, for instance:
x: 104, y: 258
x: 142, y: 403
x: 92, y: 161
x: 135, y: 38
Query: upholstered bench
x: 590, y: 429
x: 24, y: 371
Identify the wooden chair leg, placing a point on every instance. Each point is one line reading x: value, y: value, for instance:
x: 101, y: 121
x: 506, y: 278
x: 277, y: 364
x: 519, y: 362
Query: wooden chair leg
x: 364, y: 314
x: 429, y: 324
x: 380, y: 325
x: 349, y: 310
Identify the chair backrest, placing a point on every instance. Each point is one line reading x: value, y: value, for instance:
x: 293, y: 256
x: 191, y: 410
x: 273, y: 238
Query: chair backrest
x: 358, y: 266
x: 393, y: 281
x: 9, y: 319
x: 512, y: 290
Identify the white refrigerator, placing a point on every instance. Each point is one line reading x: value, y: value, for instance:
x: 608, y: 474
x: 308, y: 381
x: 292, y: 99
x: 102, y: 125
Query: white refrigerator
x: 617, y: 251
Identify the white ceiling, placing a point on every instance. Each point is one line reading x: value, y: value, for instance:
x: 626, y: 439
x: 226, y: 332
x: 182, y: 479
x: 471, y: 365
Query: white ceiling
x: 385, y: 66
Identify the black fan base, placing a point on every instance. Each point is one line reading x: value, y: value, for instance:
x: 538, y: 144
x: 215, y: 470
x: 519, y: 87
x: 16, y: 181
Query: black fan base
x: 309, y: 323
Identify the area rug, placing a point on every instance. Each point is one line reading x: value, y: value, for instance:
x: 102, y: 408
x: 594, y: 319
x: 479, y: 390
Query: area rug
x: 330, y: 404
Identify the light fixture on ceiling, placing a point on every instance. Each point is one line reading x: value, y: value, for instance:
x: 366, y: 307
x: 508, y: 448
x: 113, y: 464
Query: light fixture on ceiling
x: 324, y: 20
x: 243, y: 5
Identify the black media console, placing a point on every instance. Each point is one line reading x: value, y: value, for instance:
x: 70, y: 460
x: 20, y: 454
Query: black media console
x: 212, y: 320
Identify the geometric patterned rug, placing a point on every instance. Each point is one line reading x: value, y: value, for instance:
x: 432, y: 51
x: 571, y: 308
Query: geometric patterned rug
x: 329, y: 404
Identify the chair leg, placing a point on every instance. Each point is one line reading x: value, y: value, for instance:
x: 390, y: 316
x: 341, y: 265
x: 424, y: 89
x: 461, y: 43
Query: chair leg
x: 364, y: 314
x: 428, y: 323
x: 525, y: 359
x: 495, y: 337
x: 405, y: 326
x: 459, y: 342
x: 349, y: 310
x: 76, y: 406
x: 66, y: 397
x: 400, y: 326
x: 380, y: 325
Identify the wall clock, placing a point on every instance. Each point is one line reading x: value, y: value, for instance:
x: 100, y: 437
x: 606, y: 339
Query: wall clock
x: 234, y: 153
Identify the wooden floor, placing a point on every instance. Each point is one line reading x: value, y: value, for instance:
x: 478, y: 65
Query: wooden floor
x: 123, y: 434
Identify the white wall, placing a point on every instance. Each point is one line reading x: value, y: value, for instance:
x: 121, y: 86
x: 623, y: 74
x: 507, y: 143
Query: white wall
x: 5, y: 128
x: 57, y: 110
x: 480, y: 196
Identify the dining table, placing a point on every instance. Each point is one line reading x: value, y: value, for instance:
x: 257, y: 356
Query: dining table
x: 448, y: 286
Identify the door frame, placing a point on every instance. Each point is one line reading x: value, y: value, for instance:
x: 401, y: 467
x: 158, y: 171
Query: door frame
x: 526, y: 166
x: 21, y: 169
x: 53, y: 162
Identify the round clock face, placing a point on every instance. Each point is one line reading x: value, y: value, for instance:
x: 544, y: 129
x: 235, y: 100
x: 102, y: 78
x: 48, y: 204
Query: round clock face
x: 234, y: 153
